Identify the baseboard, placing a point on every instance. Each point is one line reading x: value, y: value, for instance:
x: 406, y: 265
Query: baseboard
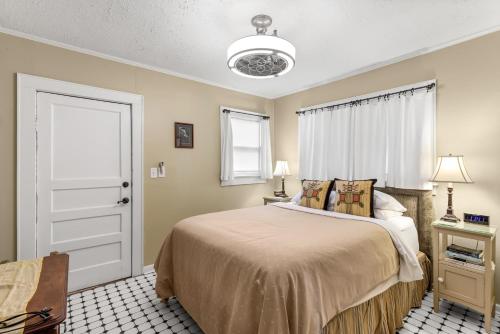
x: 147, y: 269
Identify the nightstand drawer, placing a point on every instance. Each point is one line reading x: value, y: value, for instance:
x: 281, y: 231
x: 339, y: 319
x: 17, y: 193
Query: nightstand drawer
x: 463, y: 285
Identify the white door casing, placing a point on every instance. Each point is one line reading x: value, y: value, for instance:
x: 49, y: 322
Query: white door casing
x: 81, y: 212
x: 83, y: 158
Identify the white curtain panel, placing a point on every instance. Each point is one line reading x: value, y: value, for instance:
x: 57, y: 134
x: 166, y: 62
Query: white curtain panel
x: 266, y: 162
x: 411, y: 140
x: 369, y: 142
x: 226, y: 170
x: 324, y: 144
x: 339, y: 144
x: 392, y: 140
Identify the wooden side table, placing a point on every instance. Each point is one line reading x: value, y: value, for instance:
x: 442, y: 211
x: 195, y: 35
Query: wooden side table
x: 49, y: 297
x: 467, y: 284
x: 274, y: 199
x: 51, y: 292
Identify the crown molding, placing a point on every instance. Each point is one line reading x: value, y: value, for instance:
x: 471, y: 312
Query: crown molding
x: 346, y: 75
x: 120, y: 60
x: 391, y: 61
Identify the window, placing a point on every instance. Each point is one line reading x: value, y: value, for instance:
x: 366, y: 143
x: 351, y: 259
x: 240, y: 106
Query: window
x: 245, y: 148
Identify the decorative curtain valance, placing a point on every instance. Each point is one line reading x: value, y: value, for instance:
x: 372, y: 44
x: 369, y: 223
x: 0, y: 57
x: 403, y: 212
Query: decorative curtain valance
x: 389, y: 136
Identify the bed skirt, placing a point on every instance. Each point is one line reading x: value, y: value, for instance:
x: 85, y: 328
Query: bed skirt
x: 384, y: 313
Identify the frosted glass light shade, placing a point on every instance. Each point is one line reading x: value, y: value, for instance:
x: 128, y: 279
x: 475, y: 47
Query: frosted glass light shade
x: 451, y: 168
x: 256, y: 52
x: 281, y: 168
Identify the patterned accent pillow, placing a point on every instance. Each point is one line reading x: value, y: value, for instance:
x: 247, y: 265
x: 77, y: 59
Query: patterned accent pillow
x: 354, y: 197
x: 315, y: 194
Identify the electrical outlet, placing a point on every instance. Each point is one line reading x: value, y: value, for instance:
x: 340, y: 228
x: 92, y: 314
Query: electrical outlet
x: 154, y: 173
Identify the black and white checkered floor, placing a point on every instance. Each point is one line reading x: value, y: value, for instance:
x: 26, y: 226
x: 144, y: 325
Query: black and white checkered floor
x: 131, y: 306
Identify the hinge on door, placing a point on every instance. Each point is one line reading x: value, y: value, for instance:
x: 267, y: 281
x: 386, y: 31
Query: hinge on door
x: 36, y: 182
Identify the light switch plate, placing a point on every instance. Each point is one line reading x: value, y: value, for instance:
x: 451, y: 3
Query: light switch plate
x: 154, y: 173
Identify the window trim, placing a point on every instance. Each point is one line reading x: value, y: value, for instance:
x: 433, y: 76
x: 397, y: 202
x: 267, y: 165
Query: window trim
x: 242, y: 181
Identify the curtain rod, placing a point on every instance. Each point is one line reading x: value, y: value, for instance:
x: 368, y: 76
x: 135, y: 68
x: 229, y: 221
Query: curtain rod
x: 246, y: 113
x: 359, y: 101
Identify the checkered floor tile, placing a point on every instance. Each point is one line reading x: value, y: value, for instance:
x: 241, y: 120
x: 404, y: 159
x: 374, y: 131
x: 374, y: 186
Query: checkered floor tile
x: 131, y: 306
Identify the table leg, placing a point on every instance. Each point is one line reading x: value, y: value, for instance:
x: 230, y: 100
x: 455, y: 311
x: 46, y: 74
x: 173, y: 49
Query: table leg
x: 488, y: 283
x: 487, y: 322
x: 435, y: 267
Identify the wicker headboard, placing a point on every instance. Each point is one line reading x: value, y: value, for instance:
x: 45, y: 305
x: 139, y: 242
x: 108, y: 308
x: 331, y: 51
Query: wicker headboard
x: 419, y: 205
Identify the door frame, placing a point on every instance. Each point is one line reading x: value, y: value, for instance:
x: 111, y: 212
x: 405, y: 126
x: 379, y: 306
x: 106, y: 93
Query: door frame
x: 27, y: 88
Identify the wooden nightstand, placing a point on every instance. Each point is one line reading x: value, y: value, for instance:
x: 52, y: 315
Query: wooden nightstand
x: 470, y: 285
x: 273, y: 199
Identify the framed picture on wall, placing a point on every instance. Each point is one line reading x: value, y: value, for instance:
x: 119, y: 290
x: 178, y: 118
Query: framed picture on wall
x: 184, y: 135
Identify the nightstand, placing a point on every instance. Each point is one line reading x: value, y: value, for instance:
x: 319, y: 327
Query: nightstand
x: 467, y: 284
x: 274, y: 199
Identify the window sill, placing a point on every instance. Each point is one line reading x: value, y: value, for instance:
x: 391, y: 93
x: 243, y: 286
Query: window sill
x: 242, y: 181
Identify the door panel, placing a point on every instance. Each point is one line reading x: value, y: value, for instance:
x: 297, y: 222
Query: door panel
x: 77, y: 229
x: 83, y: 157
x: 85, y: 140
x: 69, y: 199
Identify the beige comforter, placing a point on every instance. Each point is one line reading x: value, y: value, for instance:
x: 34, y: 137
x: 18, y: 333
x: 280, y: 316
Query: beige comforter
x: 268, y: 270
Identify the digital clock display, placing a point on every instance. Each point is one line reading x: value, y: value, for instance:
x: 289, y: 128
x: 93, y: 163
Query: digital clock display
x: 476, y: 219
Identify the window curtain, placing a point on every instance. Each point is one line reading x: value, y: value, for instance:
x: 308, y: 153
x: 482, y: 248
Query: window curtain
x: 227, y: 151
x: 226, y: 173
x: 265, y: 159
x: 390, y: 139
x: 369, y: 138
x: 411, y: 140
x: 325, y: 144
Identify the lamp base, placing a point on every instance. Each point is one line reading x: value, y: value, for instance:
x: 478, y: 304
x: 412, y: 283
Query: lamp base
x: 280, y: 194
x: 450, y: 218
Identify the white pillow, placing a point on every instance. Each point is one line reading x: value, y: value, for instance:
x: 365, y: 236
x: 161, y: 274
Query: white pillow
x: 331, y: 200
x: 386, y: 214
x: 296, y: 198
x: 387, y: 202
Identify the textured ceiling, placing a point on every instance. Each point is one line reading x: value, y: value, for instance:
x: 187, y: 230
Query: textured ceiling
x: 333, y: 37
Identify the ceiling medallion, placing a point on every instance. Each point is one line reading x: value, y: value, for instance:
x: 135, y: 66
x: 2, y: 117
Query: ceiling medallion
x: 261, y: 56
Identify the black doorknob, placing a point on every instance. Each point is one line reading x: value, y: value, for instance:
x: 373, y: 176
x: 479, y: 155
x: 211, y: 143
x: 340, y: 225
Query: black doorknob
x: 124, y: 200
x: 125, y: 184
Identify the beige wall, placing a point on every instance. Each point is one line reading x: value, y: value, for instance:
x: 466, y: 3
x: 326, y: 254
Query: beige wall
x: 468, y: 116
x: 192, y: 183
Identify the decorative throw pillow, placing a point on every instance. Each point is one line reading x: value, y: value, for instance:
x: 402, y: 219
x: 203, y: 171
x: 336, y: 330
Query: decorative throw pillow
x: 315, y: 194
x: 354, y: 197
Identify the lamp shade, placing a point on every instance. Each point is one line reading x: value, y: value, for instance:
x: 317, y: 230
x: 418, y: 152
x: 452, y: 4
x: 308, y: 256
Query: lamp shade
x: 451, y: 168
x: 281, y: 168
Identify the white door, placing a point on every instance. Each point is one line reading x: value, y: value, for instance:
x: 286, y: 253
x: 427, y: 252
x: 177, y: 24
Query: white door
x: 83, y: 171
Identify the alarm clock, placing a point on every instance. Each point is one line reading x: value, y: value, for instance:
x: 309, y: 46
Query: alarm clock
x: 476, y: 219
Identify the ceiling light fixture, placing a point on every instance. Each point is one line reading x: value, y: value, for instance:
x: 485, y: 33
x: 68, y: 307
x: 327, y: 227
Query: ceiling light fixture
x: 261, y: 56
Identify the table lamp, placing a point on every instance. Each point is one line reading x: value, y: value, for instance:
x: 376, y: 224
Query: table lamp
x: 281, y: 170
x: 451, y: 168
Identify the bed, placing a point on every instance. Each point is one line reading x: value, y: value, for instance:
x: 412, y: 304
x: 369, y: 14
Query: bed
x: 288, y: 270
